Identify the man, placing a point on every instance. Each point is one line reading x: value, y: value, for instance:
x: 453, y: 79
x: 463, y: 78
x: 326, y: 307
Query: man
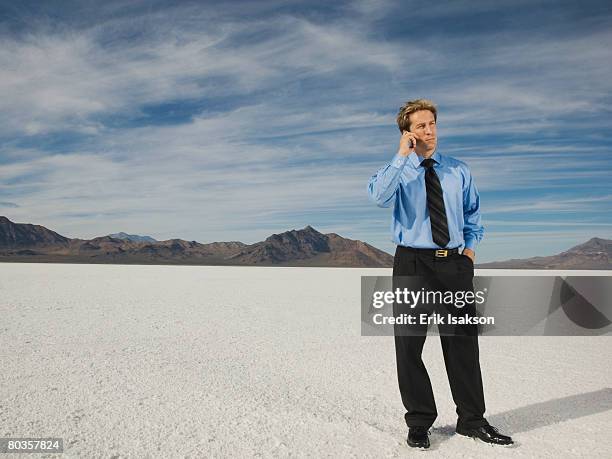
x: 436, y: 213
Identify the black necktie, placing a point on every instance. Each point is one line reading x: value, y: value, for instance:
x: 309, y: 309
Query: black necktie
x: 435, y: 204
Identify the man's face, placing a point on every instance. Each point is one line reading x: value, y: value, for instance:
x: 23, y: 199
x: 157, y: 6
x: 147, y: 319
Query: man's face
x: 423, y: 124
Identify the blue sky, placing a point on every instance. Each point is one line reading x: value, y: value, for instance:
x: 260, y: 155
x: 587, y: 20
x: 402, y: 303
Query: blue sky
x: 215, y: 121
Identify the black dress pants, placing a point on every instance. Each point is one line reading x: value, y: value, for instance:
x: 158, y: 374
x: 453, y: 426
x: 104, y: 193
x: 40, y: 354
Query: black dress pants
x: 460, y: 350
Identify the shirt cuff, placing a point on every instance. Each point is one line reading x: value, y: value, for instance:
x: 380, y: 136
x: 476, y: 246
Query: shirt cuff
x: 470, y: 243
x: 399, y: 161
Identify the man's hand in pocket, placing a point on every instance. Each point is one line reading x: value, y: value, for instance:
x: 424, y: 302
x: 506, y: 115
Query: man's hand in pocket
x: 470, y: 253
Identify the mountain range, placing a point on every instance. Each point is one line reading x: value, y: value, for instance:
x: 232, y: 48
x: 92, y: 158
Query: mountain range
x: 305, y: 247
x: 132, y: 237
x: 596, y: 253
x: 22, y: 242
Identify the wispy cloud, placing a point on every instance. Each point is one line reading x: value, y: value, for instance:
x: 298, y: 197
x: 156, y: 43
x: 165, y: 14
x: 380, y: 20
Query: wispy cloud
x: 553, y: 204
x: 231, y: 121
x: 550, y: 224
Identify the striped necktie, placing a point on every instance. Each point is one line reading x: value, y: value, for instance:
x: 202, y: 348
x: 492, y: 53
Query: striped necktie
x: 435, y: 204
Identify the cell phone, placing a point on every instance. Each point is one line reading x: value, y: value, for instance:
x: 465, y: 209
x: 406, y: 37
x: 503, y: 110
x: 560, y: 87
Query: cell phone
x: 411, y: 142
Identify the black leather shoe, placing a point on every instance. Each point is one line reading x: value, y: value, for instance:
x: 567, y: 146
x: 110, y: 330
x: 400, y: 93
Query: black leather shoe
x: 418, y: 437
x: 488, y: 434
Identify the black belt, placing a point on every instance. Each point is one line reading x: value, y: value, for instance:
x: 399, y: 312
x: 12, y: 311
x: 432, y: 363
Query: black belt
x: 440, y: 253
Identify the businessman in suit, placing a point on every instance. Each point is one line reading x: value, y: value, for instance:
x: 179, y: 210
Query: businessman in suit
x: 436, y: 226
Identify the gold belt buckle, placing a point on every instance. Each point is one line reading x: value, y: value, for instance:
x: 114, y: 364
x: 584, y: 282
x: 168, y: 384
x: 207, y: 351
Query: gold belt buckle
x: 441, y: 253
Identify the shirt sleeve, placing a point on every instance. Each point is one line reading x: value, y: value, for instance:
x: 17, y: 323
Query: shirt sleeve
x: 383, y: 185
x: 473, y: 231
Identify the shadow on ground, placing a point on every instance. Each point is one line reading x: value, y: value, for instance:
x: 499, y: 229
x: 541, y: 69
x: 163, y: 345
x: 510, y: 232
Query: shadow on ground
x: 543, y: 414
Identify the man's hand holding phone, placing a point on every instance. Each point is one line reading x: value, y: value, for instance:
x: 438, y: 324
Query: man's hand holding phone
x: 408, y: 143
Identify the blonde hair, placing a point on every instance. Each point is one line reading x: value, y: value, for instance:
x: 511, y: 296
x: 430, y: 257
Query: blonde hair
x: 403, y: 117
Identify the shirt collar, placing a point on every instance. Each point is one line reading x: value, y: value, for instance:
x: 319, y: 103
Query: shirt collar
x: 416, y: 159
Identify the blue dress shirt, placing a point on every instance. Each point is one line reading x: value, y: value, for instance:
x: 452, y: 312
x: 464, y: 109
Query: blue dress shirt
x: 401, y: 183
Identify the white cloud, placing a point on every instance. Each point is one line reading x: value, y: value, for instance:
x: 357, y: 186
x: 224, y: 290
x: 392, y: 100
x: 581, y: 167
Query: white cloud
x: 304, y: 148
x: 552, y: 204
x: 548, y: 223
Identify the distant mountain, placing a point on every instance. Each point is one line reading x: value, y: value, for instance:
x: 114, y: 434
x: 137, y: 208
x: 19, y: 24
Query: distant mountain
x: 305, y: 247
x: 23, y: 235
x: 308, y: 247
x: 132, y: 237
x: 22, y: 242
x: 596, y: 253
